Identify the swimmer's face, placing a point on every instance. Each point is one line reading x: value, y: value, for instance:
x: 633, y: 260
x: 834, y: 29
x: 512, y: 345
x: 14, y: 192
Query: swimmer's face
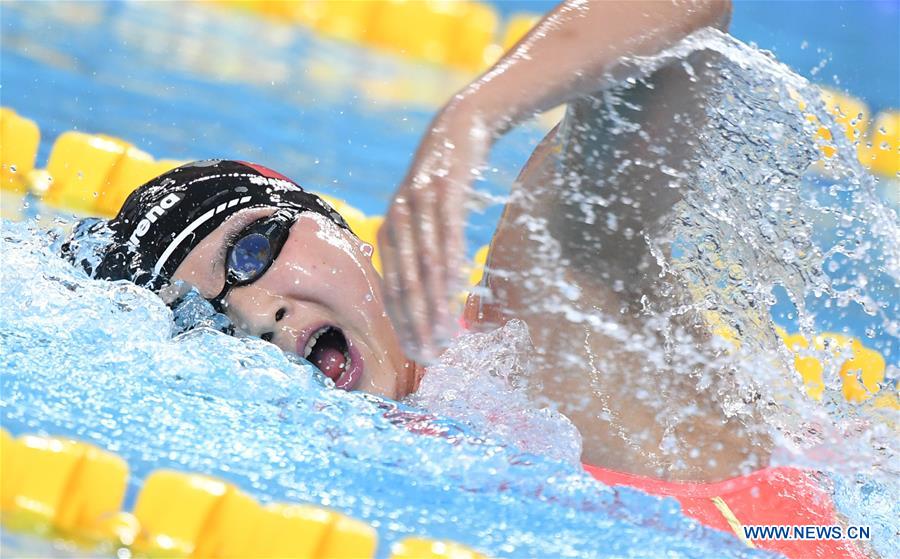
x: 321, y: 299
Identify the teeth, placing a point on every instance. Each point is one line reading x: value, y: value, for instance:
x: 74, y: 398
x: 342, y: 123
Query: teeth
x: 312, y: 341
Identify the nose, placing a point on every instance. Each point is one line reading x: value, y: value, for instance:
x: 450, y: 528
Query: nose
x: 256, y: 312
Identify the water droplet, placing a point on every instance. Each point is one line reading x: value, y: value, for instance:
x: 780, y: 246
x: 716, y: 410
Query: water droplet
x: 366, y: 249
x: 12, y: 168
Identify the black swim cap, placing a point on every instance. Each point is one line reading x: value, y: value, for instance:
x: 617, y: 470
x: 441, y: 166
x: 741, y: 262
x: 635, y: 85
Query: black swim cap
x: 163, y: 220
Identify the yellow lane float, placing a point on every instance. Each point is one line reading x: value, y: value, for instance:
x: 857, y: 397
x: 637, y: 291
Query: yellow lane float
x: 19, y: 139
x: 65, y: 489
x: 883, y: 157
x: 60, y: 486
x: 862, y: 370
x: 455, y: 33
x: 415, y: 548
x: 94, y: 173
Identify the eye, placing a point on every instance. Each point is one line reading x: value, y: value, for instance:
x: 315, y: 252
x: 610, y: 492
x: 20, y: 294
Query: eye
x: 280, y: 314
x: 250, y: 256
x: 268, y: 336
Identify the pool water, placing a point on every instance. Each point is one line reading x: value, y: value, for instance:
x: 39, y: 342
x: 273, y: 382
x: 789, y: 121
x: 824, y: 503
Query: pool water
x: 194, y: 83
x: 240, y: 410
x: 98, y: 361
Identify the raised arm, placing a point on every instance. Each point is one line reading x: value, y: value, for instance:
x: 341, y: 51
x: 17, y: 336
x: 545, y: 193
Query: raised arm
x: 570, y: 53
x: 573, y: 50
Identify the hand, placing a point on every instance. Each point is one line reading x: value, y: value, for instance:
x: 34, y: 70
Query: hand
x: 173, y: 292
x: 422, y: 239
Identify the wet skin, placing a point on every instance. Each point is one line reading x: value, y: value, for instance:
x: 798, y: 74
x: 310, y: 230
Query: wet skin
x: 554, y: 257
x: 323, y: 277
x: 625, y: 406
x: 569, y: 55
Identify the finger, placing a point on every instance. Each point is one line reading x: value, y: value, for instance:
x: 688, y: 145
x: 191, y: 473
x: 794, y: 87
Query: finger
x: 393, y: 297
x: 414, y: 296
x: 431, y: 260
x: 393, y: 291
x: 451, y: 217
x: 444, y: 270
x: 407, y: 293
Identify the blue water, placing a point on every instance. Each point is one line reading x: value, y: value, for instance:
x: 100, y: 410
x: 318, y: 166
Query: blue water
x: 204, y: 83
x: 99, y: 363
x: 332, y: 116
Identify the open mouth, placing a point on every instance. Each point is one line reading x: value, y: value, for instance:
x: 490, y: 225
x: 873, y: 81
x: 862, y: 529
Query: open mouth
x: 329, y: 350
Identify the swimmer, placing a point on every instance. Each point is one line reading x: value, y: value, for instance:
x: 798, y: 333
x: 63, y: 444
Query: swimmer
x: 286, y: 268
x: 572, y: 242
x: 584, y: 168
x: 277, y: 260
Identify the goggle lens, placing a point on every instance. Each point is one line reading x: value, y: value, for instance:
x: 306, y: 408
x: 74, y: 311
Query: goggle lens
x: 250, y: 257
x: 253, y: 252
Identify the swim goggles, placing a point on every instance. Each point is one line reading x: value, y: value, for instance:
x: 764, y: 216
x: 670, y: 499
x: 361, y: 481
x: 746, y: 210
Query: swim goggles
x: 253, y: 250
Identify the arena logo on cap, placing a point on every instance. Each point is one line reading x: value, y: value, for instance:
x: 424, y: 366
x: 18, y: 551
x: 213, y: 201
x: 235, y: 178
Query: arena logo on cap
x: 277, y: 183
x: 151, y: 216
